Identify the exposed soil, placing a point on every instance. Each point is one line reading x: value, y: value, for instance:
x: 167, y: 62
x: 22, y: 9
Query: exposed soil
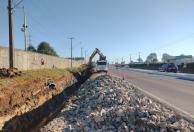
x: 30, y: 100
x: 14, y: 96
x: 25, y: 95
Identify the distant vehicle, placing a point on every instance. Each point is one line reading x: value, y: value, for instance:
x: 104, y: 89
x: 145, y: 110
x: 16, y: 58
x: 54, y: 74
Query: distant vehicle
x: 170, y: 67
x: 102, y: 66
x: 122, y: 64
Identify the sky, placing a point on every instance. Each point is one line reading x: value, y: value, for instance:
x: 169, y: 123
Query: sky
x: 119, y: 28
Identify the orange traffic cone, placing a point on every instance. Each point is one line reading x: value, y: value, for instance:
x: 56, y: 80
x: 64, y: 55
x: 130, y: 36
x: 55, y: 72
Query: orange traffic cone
x: 123, y: 77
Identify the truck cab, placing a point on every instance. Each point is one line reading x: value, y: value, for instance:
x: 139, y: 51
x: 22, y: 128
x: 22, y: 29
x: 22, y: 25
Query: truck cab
x: 101, y: 65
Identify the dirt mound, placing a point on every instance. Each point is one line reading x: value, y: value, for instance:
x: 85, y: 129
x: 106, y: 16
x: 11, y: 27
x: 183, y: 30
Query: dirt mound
x: 11, y: 72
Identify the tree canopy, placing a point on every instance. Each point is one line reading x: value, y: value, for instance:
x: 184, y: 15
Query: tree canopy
x: 140, y: 60
x: 166, y: 57
x: 31, y: 48
x: 152, y: 58
x: 45, y: 48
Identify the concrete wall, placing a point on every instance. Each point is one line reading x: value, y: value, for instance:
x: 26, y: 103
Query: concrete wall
x: 29, y: 60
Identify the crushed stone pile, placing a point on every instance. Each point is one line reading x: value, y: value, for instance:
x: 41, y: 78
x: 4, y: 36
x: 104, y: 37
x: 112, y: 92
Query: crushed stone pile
x: 11, y: 72
x: 113, y: 105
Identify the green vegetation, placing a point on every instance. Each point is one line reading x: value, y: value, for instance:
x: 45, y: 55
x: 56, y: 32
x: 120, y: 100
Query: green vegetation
x: 43, y: 48
x: 75, y: 69
x: 76, y: 58
x: 31, y: 48
x: 152, y: 58
x: 35, y: 74
x: 188, y: 69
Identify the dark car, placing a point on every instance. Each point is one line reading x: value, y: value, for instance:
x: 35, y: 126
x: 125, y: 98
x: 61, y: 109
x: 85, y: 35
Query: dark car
x: 170, y: 67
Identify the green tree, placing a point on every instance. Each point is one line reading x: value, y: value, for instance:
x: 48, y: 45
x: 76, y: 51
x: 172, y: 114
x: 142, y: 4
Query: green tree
x: 152, y: 58
x: 45, y: 48
x: 31, y: 48
x: 166, y: 57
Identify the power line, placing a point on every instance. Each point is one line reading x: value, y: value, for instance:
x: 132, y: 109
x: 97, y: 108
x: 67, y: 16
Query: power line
x: 38, y: 27
x: 38, y: 23
x: 35, y: 27
x: 173, y: 42
x: 17, y: 4
x: 42, y: 8
x: 43, y: 12
x: 1, y: 3
x: 30, y: 39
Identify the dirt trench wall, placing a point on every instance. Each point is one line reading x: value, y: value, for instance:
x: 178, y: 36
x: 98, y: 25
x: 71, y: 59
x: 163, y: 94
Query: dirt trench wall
x: 30, y: 60
x: 32, y: 120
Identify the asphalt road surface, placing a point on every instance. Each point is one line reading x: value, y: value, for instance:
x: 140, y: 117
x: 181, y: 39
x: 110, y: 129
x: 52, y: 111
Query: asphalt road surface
x: 176, y: 92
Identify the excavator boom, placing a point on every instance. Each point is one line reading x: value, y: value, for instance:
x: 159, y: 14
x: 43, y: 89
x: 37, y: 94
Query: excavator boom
x: 97, y: 51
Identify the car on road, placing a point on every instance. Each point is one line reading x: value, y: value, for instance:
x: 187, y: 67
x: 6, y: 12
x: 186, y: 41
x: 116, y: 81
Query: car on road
x: 169, y: 67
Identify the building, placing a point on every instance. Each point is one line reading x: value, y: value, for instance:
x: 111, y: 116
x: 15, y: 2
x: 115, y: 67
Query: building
x: 178, y: 60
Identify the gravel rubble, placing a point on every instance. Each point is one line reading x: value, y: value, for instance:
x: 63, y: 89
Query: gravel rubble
x: 112, y: 105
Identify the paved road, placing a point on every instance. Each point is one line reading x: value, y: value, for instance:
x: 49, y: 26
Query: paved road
x: 177, y: 92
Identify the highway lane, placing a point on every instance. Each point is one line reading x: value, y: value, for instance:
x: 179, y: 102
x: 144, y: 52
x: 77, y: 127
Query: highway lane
x: 176, y: 92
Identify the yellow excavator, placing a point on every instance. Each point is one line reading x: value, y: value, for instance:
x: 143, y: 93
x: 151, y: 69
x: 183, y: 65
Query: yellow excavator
x: 101, y: 64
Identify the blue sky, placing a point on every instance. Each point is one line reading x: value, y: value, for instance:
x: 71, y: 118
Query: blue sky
x: 118, y: 27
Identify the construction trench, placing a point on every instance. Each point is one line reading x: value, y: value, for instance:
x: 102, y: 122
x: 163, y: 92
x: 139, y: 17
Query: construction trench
x: 86, y: 102
x: 38, y: 101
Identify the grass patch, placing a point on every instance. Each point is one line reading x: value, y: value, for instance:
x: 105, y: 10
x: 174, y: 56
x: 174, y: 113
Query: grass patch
x: 35, y: 74
x: 75, y: 69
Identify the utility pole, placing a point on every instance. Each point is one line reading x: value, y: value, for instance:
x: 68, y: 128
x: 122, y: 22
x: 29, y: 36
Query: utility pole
x: 85, y: 55
x: 71, y: 51
x: 130, y: 58
x: 11, y: 37
x: 139, y: 57
x: 81, y: 52
x: 24, y: 29
x: 82, y: 55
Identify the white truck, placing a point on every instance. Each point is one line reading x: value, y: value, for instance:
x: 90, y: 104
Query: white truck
x: 102, y: 65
